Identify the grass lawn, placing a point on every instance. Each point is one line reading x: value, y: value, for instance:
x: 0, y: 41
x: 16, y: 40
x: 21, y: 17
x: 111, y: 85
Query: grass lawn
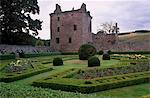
x: 135, y: 91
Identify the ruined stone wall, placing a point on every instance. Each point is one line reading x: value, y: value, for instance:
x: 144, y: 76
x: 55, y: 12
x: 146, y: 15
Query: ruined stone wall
x: 104, y: 41
x: 112, y: 42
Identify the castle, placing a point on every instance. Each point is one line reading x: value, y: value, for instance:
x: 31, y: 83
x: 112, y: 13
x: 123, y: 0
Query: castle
x: 71, y: 29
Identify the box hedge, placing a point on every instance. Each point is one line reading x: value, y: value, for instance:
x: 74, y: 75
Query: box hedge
x: 130, y: 52
x: 40, y: 54
x: 7, y: 56
x: 79, y: 85
x: 15, y: 76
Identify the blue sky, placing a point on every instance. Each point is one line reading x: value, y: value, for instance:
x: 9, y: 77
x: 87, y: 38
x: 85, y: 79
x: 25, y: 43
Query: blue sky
x: 130, y: 14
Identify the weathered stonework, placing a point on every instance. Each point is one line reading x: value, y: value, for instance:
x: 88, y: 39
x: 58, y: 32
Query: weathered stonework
x: 71, y: 28
x: 104, y: 41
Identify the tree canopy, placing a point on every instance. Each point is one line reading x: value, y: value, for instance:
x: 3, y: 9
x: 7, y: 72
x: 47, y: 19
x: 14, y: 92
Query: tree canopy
x: 15, y: 17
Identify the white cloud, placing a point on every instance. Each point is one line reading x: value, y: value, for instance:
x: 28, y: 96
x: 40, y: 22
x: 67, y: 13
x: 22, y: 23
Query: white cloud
x: 130, y: 14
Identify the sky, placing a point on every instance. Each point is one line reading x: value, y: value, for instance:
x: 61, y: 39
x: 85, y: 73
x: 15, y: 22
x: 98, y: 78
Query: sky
x: 129, y: 14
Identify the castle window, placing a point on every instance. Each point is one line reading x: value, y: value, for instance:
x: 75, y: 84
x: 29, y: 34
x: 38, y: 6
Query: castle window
x: 58, y: 18
x: 75, y: 27
x: 57, y: 40
x: 70, y: 40
x: 58, y: 29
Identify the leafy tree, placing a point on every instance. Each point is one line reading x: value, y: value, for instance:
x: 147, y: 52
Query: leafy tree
x: 15, y: 18
x: 39, y: 42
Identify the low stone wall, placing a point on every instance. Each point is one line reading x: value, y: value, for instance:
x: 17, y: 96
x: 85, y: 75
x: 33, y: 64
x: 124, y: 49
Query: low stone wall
x: 4, y: 49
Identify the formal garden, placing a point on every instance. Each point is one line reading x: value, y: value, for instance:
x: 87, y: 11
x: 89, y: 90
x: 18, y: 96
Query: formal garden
x: 86, y: 74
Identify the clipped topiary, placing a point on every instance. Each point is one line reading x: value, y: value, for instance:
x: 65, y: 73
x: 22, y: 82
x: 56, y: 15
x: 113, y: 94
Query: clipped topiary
x: 106, y: 56
x: 93, y: 61
x: 100, y: 52
x: 86, y: 51
x: 57, y: 61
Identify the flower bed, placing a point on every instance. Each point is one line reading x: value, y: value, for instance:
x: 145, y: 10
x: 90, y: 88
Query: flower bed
x: 97, y: 72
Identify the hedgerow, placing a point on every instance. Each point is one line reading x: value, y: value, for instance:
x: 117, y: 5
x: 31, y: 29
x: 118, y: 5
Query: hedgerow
x: 9, y: 90
x: 39, y: 54
x: 17, y: 76
x: 130, y: 52
x: 94, y: 85
x: 7, y: 56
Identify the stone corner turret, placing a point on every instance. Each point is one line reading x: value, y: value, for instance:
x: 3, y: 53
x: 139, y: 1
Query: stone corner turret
x: 58, y: 9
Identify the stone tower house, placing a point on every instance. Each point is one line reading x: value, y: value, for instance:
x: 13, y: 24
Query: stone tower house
x: 70, y: 29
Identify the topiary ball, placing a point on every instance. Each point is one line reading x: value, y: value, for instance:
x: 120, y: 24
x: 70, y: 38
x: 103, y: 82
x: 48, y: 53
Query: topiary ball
x: 86, y: 51
x: 57, y: 61
x: 106, y: 56
x: 100, y: 52
x: 93, y: 61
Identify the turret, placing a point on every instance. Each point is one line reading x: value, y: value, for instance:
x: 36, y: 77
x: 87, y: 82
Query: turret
x: 83, y: 7
x: 58, y: 9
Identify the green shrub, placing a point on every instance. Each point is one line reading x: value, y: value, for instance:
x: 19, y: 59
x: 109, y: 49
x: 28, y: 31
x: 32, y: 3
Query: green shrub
x: 40, y: 54
x: 88, y: 82
x: 86, y: 51
x: 69, y: 53
x: 7, y: 56
x: 130, y: 52
x: 57, y: 61
x: 106, y: 56
x: 109, y: 51
x: 100, y: 52
x: 93, y: 61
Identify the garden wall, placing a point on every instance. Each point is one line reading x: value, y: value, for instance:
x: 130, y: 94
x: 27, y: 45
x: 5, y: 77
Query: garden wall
x: 25, y: 48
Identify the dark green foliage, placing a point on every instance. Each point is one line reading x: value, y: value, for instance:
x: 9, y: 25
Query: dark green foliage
x: 93, y: 61
x: 109, y: 51
x: 57, y: 61
x: 130, y: 52
x: 106, y: 56
x: 88, y: 82
x: 7, y: 56
x: 100, y: 52
x: 18, y: 38
x: 69, y: 53
x: 15, y: 18
x: 40, y: 54
x: 39, y: 42
x: 86, y: 51
x: 15, y: 76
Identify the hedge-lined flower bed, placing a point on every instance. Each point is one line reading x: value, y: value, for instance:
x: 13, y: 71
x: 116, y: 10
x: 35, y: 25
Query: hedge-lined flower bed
x: 93, y: 85
x: 10, y: 77
x: 96, y: 72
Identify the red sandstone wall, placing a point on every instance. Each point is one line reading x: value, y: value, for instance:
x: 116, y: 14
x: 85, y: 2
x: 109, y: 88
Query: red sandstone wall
x: 67, y: 20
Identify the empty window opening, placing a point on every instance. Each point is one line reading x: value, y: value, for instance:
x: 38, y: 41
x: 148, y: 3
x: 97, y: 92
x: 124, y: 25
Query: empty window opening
x: 58, y: 29
x: 57, y: 40
x: 75, y: 27
x: 58, y: 18
x: 70, y: 40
